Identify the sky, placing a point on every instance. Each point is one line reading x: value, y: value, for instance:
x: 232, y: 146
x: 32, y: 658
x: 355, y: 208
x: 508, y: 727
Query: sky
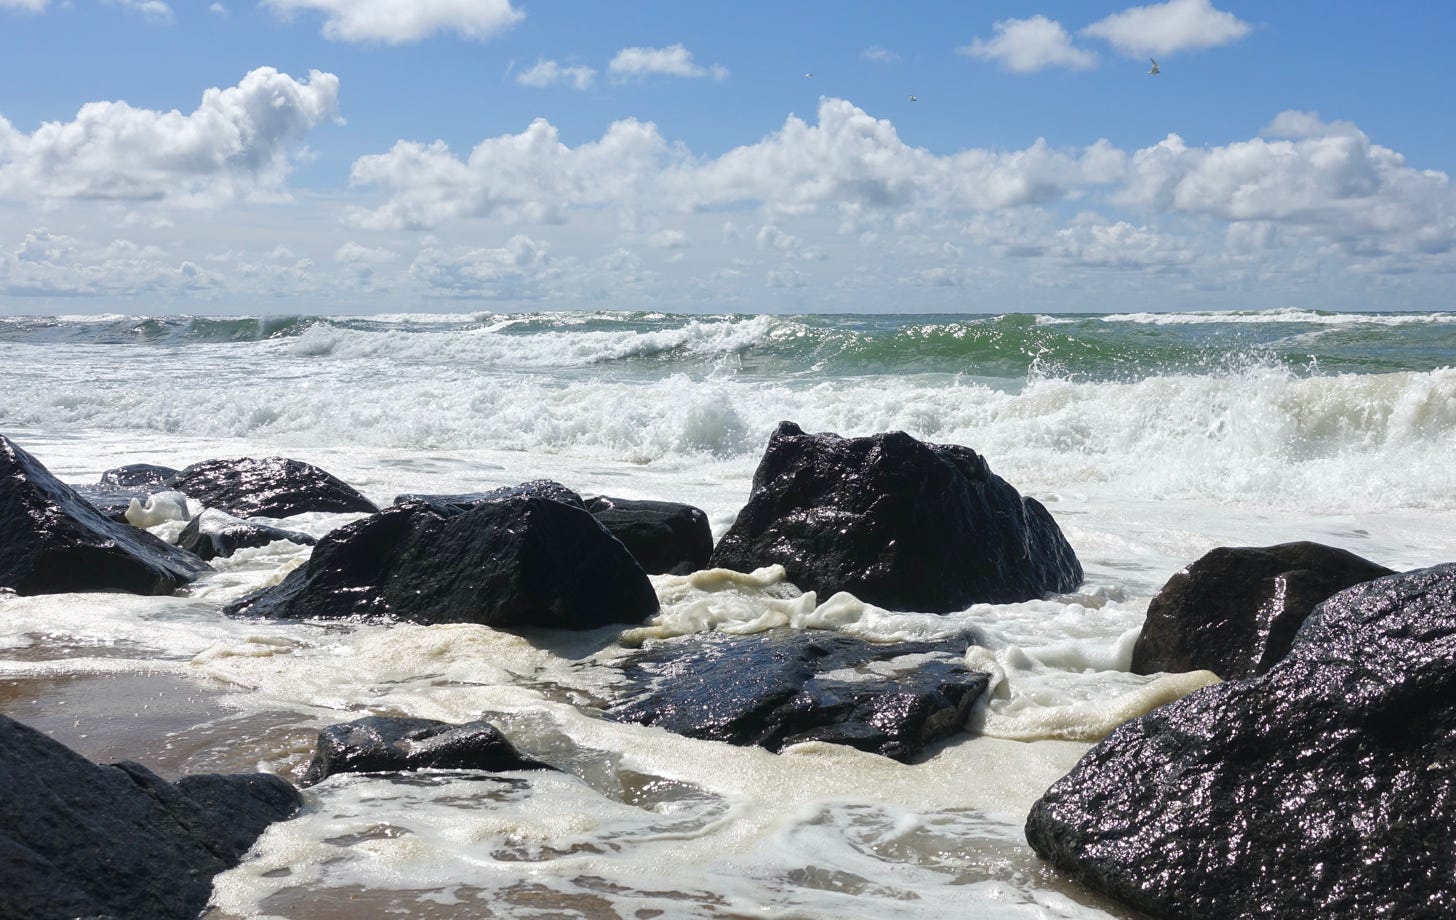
x: 248, y: 157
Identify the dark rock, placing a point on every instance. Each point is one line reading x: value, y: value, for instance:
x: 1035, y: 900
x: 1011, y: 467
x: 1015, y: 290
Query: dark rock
x: 450, y: 505
x: 78, y: 839
x: 895, y: 522
x: 271, y: 488
x: 53, y: 541
x: 1235, y: 611
x: 213, y: 533
x: 117, y: 487
x: 138, y: 477
x: 389, y: 744
x: 785, y: 686
x: 520, y: 560
x: 1323, y: 789
x: 662, y: 536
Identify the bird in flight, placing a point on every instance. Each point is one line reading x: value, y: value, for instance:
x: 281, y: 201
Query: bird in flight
x: 808, y: 76
x: 1154, y: 69
x: 912, y: 98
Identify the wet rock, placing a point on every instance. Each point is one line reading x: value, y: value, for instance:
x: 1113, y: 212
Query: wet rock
x: 1235, y: 611
x: 213, y: 533
x: 392, y: 744
x: 1321, y: 789
x: 786, y: 686
x: 519, y: 560
x: 78, y: 839
x: 665, y: 537
x: 143, y: 477
x: 464, y: 501
x: 897, y: 523
x: 273, y: 488
x: 54, y: 541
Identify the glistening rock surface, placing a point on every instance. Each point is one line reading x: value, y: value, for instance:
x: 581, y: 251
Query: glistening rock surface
x: 896, y: 522
x: 1324, y: 789
x: 393, y: 744
x: 275, y: 487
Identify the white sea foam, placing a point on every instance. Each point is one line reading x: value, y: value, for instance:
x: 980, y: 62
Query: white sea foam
x: 1284, y: 315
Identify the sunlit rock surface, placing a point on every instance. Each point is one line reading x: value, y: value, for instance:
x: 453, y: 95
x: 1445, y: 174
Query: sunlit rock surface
x: 788, y: 686
x: 1324, y: 788
x: 665, y: 537
x: 275, y: 487
x: 1235, y: 611
x: 897, y: 523
x: 517, y: 560
x: 393, y: 744
x: 54, y: 541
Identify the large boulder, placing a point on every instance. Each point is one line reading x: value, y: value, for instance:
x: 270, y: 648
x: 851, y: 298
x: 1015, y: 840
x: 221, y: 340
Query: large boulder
x: 273, y: 488
x: 397, y: 744
x: 213, y: 533
x: 78, y: 839
x: 785, y: 686
x: 1235, y: 610
x: 665, y: 537
x: 896, y: 522
x: 518, y: 560
x: 456, y: 502
x: 53, y: 541
x: 1323, y: 789
x: 120, y: 486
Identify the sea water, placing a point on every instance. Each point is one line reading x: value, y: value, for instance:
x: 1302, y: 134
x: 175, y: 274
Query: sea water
x: 1151, y: 438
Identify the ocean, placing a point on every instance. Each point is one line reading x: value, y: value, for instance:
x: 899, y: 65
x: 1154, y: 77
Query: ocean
x: 1151, y: 438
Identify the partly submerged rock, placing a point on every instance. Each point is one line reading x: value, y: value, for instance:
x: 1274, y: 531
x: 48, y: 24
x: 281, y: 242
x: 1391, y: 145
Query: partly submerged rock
x: 214, y: 533
x: 897, y: 523
x: 786, y: 686
x: 395, y: 744
x: 78, y: 839
x: 273, y: 488
x: 665, y: 537
x: 144, y: 477
x: 518, y: 560
x: 455, y: 503
x: 1323, y: 789
x: 1235, y: 610
x: 54, y: 541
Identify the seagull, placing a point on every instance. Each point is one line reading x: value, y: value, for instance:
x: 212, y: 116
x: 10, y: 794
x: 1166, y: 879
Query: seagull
x: 912, y: 98
x: 808, y: 76
x: 1153, y: 69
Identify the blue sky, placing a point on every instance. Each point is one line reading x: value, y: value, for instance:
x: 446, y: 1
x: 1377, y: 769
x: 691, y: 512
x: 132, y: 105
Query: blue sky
x: 361, y: 156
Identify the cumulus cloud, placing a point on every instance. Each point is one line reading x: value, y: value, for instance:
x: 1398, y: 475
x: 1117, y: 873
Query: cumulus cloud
x: 546, y: 73
x: 1029, y: 45
x: 234, y: 145
x: 510, y: 270
x: 672, y: 61
x: 1095, y: 242
x: 1164, y: 28
x: 395, y: 22
x: 47, y: 264
x: 1327, y: 178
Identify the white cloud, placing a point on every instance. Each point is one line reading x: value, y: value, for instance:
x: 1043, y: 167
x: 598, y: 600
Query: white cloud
x: 57, y: 265
x: 1098, y: 243
x: 1163, y: 28
x: 234, y: 145
x: 356, y: 252
x: 880, y: 55
x: 672, y: 61
x: 218, y: 9
x: 546, y: 73
x: 396, y: 22
x: 510, y: 270
x: 28, y: 6
x: 1029, y: 45
x: 154, y: 10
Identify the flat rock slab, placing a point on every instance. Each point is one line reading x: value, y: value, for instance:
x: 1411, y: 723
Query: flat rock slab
x: 214, y: 533
x: 274, y: 487
x: 786, y: 686
x: 396, y: 744
x: 1237, y: 608
x: 1323, y: 789
x: 54, y: 541
x: 78, y: 839
x: 896, y: 522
